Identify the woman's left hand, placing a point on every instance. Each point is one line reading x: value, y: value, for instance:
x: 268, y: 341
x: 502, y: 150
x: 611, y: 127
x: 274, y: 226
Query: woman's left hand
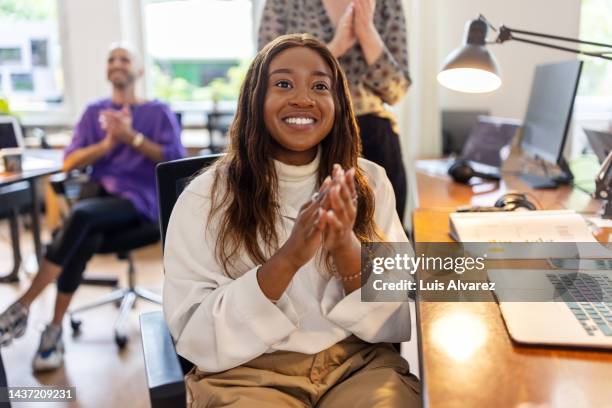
x: 364, y: 18
x: 341, y: 212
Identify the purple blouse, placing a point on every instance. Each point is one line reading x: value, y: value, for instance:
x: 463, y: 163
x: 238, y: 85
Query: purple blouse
x: 124, y: 171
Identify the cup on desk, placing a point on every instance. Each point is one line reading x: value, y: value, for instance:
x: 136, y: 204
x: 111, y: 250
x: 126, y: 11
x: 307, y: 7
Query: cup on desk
x: 12, y: 158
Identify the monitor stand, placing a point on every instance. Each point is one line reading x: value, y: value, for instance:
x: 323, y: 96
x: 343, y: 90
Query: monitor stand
x: 538, y: 182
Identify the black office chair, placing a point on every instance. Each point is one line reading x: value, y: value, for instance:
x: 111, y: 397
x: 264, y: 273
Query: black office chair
x: 218, y: 123
x: 3, y: 386
x: 166, y: 370
x: 120, y: 243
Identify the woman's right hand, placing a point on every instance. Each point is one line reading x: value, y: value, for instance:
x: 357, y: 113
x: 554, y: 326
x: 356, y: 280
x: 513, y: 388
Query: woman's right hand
x: 344, y: 37
x: 306, y: 235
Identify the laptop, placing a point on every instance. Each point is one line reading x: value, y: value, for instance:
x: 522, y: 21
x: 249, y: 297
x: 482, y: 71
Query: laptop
x: 601, y: 143
x: 486, y: 141
x: 482, y: 148
x: 11, y: 137
x: 10, y: 133
x: 557, y: 308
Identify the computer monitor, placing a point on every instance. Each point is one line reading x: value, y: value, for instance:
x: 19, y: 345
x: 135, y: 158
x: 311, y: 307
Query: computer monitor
x: 10, y: 132
x: 548, y: 117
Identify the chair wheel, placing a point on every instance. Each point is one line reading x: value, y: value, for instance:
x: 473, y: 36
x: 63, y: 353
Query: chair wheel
x: 121, y: 341
x: 76, y: 325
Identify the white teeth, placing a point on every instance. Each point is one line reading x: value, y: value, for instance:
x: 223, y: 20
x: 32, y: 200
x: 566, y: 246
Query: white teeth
x: 299, y: 121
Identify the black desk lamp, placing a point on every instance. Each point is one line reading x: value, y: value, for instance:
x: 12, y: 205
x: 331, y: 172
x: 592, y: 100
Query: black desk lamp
x: 472, y: 68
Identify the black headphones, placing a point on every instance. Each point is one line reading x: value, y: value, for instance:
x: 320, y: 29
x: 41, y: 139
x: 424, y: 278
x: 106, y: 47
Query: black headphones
x: 514, y: 201
x: 462, y: 172
x: 507, y: 202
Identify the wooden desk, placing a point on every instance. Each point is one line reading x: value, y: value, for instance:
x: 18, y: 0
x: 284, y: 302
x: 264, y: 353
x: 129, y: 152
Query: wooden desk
x: 467, y: 357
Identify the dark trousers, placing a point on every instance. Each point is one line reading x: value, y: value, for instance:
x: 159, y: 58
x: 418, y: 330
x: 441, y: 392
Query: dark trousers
x: 381, y: 145
x: 82, y: 235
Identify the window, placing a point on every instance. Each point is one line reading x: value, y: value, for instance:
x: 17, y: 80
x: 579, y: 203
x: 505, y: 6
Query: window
x: 10, y: 56
x: 198, y: 50
x: 30, y: 55
x: 593, y: 107
x: 596, y: 25
x: 22, y: 82
x: 38, y: 49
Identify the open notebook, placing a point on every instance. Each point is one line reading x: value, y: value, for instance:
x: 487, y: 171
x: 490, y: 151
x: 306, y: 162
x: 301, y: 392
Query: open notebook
x: 520, y: 226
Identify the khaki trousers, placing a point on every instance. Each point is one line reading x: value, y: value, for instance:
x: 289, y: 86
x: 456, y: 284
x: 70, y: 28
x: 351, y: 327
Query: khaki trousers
x: 351, y: 373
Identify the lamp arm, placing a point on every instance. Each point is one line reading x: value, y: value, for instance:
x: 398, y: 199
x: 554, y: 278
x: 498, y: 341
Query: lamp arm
x: 558, y: 47
x: 506, y: 34
x: 552, y: 37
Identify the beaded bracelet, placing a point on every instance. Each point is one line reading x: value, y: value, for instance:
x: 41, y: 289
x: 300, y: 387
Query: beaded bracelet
x: 350, y: 277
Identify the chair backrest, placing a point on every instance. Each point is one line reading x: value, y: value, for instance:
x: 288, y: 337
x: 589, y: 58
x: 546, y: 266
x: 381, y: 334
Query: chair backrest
x: 3, y: 385
x: 172, y: 177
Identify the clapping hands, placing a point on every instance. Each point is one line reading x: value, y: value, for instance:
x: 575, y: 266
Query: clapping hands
x: 364, y: 18
x: 327, y: 219
x: 338, y: 210
x: 355, y: 24
x: 118, y: 126
x: 344, y: 37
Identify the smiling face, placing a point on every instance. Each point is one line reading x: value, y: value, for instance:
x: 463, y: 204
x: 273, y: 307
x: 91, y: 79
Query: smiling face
x: 120, y: 68
x: 299, y: 106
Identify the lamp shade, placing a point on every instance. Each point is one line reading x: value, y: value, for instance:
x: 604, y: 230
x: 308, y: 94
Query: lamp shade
x: 471, y: 68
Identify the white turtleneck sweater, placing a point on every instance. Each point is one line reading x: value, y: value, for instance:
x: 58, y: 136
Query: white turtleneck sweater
x: 219, y: 323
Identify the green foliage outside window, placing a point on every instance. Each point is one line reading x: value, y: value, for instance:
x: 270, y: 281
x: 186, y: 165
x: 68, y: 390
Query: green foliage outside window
x: 27, y: 10
x: 179, y: 88
x: 596, y: 25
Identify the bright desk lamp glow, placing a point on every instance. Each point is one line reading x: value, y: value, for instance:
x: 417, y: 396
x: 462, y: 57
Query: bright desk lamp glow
x: 472, y: 68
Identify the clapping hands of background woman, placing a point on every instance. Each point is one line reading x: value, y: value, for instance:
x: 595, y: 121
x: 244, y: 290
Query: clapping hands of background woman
x: 356, y: 24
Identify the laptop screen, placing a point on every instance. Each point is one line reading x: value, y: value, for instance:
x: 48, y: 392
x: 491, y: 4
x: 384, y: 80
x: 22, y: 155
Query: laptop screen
x: 8, y: 138
x: 487, y: 138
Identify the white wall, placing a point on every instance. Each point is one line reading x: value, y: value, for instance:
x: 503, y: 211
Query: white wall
x: 516, y: 60
x: 88, y: 28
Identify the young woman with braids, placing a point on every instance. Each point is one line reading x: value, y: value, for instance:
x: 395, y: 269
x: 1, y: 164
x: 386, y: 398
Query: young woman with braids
x: 262, y: 257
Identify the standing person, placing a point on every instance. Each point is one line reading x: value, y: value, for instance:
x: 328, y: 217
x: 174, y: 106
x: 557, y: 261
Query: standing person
x: 122, y: 138
x: 369, y: 39
x: 262, y: 288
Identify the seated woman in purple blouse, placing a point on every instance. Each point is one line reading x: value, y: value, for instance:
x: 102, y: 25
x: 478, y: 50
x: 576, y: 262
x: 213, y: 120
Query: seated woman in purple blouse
x: 122, y: 138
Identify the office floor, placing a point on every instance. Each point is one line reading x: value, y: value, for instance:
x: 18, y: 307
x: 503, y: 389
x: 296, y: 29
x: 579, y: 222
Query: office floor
x: 103, y: 376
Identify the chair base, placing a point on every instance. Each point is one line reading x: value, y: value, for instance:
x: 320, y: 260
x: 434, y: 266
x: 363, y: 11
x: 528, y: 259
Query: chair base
x: 125, y: 299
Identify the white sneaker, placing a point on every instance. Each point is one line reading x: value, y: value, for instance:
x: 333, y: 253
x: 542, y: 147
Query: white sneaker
x: 13, y: 323
x: 50, y: 354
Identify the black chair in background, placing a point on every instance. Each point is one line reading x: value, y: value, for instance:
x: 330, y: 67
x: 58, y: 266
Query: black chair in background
x: 3, y: 385
x: 165, y: 370
x: 218, y: 124
x: 120, y: 243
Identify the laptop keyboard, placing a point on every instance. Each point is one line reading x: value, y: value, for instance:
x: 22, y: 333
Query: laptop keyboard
x: 589, y: 298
